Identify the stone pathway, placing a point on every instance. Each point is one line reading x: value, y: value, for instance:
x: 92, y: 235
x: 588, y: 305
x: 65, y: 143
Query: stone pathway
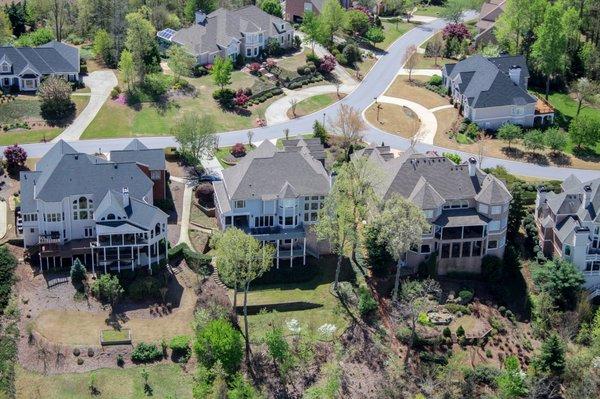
x: 100, y: 83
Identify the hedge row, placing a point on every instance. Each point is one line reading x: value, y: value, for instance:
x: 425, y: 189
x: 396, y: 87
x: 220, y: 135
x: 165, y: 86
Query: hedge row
x: 198, y: 262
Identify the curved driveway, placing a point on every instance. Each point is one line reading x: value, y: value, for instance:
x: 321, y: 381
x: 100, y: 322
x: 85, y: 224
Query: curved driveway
x: 373, y: 85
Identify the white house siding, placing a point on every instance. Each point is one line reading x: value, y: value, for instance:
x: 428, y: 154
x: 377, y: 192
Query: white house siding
x: 494, y: 117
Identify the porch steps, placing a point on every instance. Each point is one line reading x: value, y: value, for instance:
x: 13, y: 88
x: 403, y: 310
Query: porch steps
x: 217, y: 279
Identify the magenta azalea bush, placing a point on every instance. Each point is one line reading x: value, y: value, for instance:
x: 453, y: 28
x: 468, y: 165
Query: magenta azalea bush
x: 458, y: 31
x: 241, y: 98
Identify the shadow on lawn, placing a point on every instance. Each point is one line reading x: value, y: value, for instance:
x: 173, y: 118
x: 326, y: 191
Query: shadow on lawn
x: 316, y: 272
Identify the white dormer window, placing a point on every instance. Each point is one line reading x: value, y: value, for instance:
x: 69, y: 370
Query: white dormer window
x: 5, y: 67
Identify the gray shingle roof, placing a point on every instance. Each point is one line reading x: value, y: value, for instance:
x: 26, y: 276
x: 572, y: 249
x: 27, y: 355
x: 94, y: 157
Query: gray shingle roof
x: 461, y: 217
x: 136, y: 151
x: 430, y: 180
x: 266, y: 171
x: 485, y: 82
x: 50, y: 58
x: 222, y: 26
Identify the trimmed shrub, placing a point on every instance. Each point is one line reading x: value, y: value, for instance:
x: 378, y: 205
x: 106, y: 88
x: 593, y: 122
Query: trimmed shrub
x: 457, y: 308
x: 460, y: 331
x: 435, y: 80
x: 466, y: 296
x: 446, y: 332
x: 145, y: 287
x: 366, y: 302
x: 219, y: 341
x: 238, y: 150
x: 146, y: 353
x: 180, y: 345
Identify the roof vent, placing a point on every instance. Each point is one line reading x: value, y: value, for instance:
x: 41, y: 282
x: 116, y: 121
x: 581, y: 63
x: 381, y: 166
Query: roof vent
x: 587, y: 188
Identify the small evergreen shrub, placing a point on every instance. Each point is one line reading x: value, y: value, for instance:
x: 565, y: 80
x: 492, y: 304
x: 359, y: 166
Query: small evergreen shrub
x: 146, y: 353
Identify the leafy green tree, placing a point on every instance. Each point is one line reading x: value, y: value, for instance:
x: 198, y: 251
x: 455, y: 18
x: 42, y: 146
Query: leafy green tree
x: 191, y: 6
x: 220, y: 342
x: 511, y: 381
x: 375, y: 35
x: 35, y: 38
x: 333, y: 15
x: 242, y: 389
x: 548, y: 51
x: 510, y: 133
x: 221, y: 71
x: 55, y: 95
x: 104, y: 47
x: 314, y: 29
x: 8, y: 263
x: 196, y: 135
x: 585, y: 130
x: 555, y: 139
x: 5, y: 28
x: 454, y: 9
x: 108, y: 288
x: 356, y: 22
x: 272, y: 7
x: 516, y: 212
x: 517, y: 22
x: 453, y: 157
x: 78, y: 272
x: 401, y: 227
x: 180, y: 61
x: 534, y: 140
x: 140, y: 41
x: 561, y: 279
x: 320, y: 132
x: 552, y: 355
x: 127, y: 69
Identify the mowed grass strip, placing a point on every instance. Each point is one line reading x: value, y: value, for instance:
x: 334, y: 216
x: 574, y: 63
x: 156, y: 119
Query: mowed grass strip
x: 166, y: 380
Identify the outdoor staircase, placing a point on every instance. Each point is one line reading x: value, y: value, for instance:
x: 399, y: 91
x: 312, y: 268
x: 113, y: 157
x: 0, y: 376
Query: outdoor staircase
x: 215, y: 277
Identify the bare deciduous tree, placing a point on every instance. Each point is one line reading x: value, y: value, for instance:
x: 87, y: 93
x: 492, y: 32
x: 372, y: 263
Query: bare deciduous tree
x: 436, y: 46
x: 250, y: 135
x: 411, y: 59
x: 293, y: 104
x: 349, y: 125
x: 482, y: 143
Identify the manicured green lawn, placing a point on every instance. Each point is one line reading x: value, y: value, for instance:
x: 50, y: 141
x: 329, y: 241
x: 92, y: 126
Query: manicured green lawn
x: 223, y: 152
x: 393, y: 31
x: 315, y: 291
x: 152, y: 119
x: 165, y: 381
x: 28, y: 109
x: 315, y: 103
x: 566, y: 107
x: 430, y: 11
x: 115, y: 335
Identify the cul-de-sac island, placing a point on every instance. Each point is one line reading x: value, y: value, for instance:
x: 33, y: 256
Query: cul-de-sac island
x: 300, y: 199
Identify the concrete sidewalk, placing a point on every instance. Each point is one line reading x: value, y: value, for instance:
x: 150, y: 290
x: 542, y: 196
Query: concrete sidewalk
x: 277, y: 112
x: 100, y: 83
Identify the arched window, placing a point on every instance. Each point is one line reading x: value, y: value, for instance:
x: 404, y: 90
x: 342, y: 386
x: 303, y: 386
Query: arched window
x: 567, y: 250
x: 157, y: 229
x: 110, y: 216
x: 82, y: 203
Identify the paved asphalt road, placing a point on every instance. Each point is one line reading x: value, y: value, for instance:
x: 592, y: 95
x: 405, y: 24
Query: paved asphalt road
x: 373, y: 85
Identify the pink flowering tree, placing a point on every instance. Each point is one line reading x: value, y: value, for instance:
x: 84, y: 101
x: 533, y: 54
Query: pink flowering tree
x: 328, y: 63
x: 238, y: 150
x: 254, y: 68
x: 15, y: 157
x: 456, y: 31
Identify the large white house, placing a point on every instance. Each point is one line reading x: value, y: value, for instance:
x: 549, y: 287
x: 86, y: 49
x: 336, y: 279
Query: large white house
x: 493, y: 91
x: 275, y: 195
x: 23, y: 68
x: 76, y: 205
x: 569, y: 226
x: 228, y: 33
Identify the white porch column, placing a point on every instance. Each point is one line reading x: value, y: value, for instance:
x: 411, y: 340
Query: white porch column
x: 149, y: 259
x: 157, y: 254
x: 119, y: 259
x: 93, y: 263
x: 105, y: 260
x: 41, y: 264
x: 138, y: 257
x: 292, y: 253
x: 61, y: 265
x: 132, y: 262
x: 278, y: 254
x: 304, y: 252
x: 166, y: 250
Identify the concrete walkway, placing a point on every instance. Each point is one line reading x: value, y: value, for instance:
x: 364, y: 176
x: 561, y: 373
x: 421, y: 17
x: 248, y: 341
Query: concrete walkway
x: 184, y: 236
x: 277, y: 112
x: 100, y: 84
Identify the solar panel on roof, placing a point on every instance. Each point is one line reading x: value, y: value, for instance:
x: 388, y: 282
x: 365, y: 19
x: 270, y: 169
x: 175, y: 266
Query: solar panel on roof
x: 166, y: 34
